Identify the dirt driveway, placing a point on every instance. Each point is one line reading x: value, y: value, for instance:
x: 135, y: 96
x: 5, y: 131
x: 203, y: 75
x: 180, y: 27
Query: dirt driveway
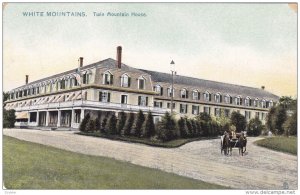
x: 260, y: 168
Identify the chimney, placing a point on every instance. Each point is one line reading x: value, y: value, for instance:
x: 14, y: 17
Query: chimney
x: 119, y: 56
x: 263, y: 87
x: 26, y: 80
x: 80, y: 61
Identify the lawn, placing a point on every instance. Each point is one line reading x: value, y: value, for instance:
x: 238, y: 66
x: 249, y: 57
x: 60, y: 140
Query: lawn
x: 168, y: 144
x: 34, y: 166
x: 280, y: 143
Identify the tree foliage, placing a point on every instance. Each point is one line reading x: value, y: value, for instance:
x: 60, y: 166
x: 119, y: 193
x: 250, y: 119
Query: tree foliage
x: 84, y: 122
x: 290, y: 125
x: 148, y: 128
x: 254, y: 127
x: 121, y: 122
x: 112, y: 125
x: 128, y: 124
x: 9, y: 118
x: 166, y: 129
x: 239, y: 121
x: 137, y: 126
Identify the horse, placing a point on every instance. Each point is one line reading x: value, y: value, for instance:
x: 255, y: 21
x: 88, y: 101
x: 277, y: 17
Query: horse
x: 225, y: 144
x: 242, y: 143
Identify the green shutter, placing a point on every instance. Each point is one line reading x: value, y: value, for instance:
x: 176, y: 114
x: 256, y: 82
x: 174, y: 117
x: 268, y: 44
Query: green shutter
x: 161, y: 91
x: 111, y: 79
x: 146, y: 101
x: 139, y: 100
x: 129, y: 81
x: 108, y: 97
x: 100, y: 96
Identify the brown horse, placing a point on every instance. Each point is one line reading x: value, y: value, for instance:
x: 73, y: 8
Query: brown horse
x: 242, y: 143
x: 225, y: 144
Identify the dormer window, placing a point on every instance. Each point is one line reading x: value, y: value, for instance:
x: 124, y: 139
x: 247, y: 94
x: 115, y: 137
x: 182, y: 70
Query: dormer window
x: 62, y: 84
x: 238, y: 100
x: 207, y: 96
x: 248, y: 101
x: 170, y: 92
x: 263, y: 103
x: 255, y: 102
x: 108, y: 78
x: 228, y: 99
x: 141, y: 83
x: 271, y: 103
x: 196, y: 95
x: 218, y: 98
x: 125, y: 80
x: 86, y: 77
x: 158, y: 89
x: 184, y: 93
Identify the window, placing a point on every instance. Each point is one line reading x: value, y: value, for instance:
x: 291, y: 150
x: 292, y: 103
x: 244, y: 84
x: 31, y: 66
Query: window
x: 124, y: 99
x: 263, y: 103
x: 184, y: 93
x: 169, y: 105
x: 207, y: 96
x: 37, y: 90
x: 247, y: 115
x: 86, y: 78
x: 255, y: 102
x: 257, y: 114
x: 108, y: 78
x: 227, y: 112
x: 141, y: 83
x: 248, y: 101
x: 142, y: 100
x: 196, y: 95
x: 104, y: 96
x: 217, y: 112
x: 157, y: 104
x: 206, y: 109
x: 25, y: 92
x: 228, y: 99
x: 125, y: 80
x: 238, y: 100
x: 169, y: 91
x: 158, y: 89
x: 12, y: 96
x: 195, y: 109
x: 271, y: 103
x: 218, y: 98
x: 183, y: 108
x: 263, y: 116
x: 20, y: 94
x: 62, y: 84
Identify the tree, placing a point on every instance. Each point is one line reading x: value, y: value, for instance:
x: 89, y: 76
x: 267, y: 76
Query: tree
x: 290, y: 125
x: 183, y: 129
x: 238, y: 120
x: 103, y: 125
x: 189, y: 127
x: 203, y: 116
x: 148, y: 128
x: 5, y: 98
x: 166, y: 129
x: 286, y: 101
x: 137, y: 126
x: 280, y: 118
x: 254, y: 127
x: 121, y: 122
x: 84, y: 122
x: 98, y: 124
x: 90, y: 126
x: 270, y: 120
x: 128, y: 124
x: 112, y: 125
x: 9, y: 118
x: 223, y: 122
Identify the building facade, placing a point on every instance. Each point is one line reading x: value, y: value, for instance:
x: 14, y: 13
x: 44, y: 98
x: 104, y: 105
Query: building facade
x: 109, y: 87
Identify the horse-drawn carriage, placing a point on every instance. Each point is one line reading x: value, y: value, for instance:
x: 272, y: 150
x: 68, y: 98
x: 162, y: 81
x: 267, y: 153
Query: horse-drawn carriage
x: 233, y: 140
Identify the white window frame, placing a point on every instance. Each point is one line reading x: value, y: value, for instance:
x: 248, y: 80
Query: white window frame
x: 169, y: 89
x: 206, y: 96
x: 125, y: 77
x: 183, y: 93
x: 109, y: 74
x: 141, y: 79
x: 104, y: 96
x: 195, y: 94
x: 197, y: 109
x: 247, y: 101
x: 218, y: 98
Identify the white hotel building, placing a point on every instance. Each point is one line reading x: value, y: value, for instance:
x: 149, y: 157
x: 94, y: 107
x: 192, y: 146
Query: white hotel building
x: 109, y: 87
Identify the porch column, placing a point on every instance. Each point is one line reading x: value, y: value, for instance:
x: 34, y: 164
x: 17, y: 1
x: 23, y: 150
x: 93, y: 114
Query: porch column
x: 29, y: 113
x: 72, y: 117
x: 37, y: 118
x: 47, y: 118
x: 58, y: 118
x: 81, y: 115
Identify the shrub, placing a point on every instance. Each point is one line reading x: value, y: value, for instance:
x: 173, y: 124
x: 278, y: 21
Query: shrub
x: 239, y: 121
x: 128, y: 124
x: 290, y: 125
x: 203, y: 116
x: 166, y: 129
x: 90, y: 126
x: 183, y: 129
x: 194, y: 128
x: 97, y: 124
x: 103, y: 125
x: 112, y: 125
x: 9, y: 118
x: 84, y: 122
x: 189, y: 127
x: 148, y: 128
x: 121, y: 122
x: 137, y: 126
x: 254, y: 127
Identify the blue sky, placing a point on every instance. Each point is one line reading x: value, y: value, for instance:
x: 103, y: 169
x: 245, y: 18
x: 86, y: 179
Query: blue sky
x: 246, y: 44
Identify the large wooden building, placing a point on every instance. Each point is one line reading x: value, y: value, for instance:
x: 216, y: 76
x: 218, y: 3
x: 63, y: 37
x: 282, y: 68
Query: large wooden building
x: 109, y: 86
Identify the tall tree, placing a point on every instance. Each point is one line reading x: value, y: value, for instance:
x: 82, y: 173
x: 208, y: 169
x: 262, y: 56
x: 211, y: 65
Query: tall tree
x: 121, y: 122
x: 148, y: 128
x: 239, y: 121
x: 137, y: 126
x: 112, y: 125
x: 128, y: 124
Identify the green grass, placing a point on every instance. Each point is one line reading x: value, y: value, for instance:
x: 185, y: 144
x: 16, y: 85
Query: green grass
x: 34, y: 166
x: 169, y: 144
x: 280, y: 143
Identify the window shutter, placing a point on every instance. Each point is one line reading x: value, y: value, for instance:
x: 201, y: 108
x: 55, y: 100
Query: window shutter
x: 187, y: 94
x: 198, y: 110
x: 241, y: 101
x: 209, y: 97
x: 154, y: 88
x: 220, y: 98
x: 139, y: 100
x: 129, y: 81
x: 108, y: 97
x: 161, y: 91
x: 100, y: 96
x: 146, y: 101
x: 199, y: 95
x: 215, y: 98
x: 111, y: 79
x: 186, y: 108
x: 160, y: 104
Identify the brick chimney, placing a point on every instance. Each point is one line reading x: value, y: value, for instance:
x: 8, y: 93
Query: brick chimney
x: 119, y: 56
x: 263, y: 87
x: 26, y: 80
x: 80, y: 61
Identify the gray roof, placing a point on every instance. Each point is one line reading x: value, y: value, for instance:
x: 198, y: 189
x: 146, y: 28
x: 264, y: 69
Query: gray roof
x: 212, y: 86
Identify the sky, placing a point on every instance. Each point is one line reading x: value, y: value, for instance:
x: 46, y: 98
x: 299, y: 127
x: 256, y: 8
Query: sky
x: 250, y: 44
